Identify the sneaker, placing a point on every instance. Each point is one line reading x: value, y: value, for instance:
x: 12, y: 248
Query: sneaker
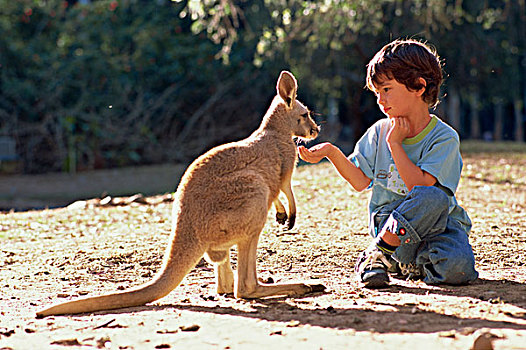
x: 371, y: 267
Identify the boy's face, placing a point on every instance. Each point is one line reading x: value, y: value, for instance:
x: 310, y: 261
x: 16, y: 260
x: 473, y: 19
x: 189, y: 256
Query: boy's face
x: 395, y: 100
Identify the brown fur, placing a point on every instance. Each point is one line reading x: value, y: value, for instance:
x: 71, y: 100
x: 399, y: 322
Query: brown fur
x: 223, y: 200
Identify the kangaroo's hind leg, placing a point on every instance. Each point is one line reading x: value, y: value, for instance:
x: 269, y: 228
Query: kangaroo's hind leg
x: 247, y: 285
x: 223, y: 270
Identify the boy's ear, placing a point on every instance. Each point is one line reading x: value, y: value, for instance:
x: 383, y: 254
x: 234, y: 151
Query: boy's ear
x: 422, y: 82
x: 287, y: 88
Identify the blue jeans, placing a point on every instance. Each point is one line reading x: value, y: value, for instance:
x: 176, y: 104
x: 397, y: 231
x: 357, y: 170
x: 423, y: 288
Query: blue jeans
x: 429, y: 237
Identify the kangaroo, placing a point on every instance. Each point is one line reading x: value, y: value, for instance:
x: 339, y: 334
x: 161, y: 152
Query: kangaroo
x: 222, y: 200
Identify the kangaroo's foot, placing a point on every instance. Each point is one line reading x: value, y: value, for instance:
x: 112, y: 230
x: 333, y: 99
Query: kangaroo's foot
x: 277, y: 289
x: 247, y: 285
x: 291, y: 221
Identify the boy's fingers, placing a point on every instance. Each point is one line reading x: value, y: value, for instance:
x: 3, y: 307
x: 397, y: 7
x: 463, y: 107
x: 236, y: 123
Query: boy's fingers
x: 316, y: 147
x: 303, y: 153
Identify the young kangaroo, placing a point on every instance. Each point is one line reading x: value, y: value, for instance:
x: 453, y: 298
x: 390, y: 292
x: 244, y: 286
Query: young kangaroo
x: 223, y: 200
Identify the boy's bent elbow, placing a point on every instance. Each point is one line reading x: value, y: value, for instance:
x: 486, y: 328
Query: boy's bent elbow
x: 361, y: 187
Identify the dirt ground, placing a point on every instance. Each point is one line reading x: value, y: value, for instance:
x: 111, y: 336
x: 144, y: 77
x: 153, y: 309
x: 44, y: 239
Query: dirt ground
x: 87, y: 249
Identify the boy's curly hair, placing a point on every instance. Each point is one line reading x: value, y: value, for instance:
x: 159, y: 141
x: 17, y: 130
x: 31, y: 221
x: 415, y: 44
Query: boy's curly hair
x: 405, y: 61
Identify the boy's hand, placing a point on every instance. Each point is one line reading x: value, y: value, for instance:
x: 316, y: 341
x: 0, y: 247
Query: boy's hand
x: 315, y: 153
x: 399, y: 131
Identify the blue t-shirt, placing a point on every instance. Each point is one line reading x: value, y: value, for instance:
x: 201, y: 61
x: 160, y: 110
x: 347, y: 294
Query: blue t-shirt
x: 435, y: 150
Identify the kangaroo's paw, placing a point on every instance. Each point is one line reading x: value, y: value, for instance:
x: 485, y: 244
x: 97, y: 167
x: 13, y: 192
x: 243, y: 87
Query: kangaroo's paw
x: 291, y: 222
x: 281, y: 218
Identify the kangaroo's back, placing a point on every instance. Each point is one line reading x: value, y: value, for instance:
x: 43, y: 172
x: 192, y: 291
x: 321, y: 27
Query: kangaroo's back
x: 259, y: 154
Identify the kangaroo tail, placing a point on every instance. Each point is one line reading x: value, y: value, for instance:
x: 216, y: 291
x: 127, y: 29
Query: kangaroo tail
x: 181, y: 256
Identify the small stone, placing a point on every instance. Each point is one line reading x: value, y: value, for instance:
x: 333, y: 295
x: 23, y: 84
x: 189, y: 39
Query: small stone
x: 67, y: 342
x: 191, y: 328
x: 483, y: 342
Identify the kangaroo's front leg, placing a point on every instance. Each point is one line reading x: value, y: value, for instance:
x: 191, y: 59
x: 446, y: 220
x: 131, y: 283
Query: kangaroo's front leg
x: 286, y: 188
x: 281, y: 213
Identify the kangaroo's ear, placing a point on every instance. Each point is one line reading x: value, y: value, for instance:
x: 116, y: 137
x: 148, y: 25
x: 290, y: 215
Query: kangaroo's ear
x: 287, y: 88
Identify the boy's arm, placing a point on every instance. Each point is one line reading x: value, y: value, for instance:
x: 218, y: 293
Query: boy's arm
x: 352, y: 174
x: 411, y: 174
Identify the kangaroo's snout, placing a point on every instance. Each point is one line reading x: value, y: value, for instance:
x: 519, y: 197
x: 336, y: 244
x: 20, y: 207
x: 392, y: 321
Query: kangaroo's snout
x: 309, y: 130
x: 314, y: 131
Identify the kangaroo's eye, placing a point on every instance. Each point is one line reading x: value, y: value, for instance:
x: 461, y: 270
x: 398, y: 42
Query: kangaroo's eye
x: 305, y: 115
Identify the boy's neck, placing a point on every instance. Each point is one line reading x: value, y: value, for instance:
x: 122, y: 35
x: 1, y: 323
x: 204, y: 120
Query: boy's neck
x: 419, y: 121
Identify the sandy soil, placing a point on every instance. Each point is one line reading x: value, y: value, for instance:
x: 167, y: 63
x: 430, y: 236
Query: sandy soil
x: 88, y: 249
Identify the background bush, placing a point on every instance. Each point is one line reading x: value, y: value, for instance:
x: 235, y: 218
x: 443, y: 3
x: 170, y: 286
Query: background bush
x: 112, y: 83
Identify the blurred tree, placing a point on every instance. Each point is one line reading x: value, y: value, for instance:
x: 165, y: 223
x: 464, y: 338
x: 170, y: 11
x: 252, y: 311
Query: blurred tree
x: 108, y: 83
x: 329, y: 43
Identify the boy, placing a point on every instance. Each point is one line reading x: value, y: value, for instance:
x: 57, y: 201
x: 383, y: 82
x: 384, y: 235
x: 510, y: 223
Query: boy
x: 412, y: 162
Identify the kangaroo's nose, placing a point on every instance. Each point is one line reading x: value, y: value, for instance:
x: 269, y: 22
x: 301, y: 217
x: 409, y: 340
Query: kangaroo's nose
x: 314, y: 130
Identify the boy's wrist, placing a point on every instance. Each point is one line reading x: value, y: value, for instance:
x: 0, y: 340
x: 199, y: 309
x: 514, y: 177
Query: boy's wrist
x: 394, y: 145
x: 330, y: 151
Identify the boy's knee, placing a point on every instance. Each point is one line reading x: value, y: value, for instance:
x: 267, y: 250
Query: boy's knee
x: 431, y: 197
x: 454, y: 270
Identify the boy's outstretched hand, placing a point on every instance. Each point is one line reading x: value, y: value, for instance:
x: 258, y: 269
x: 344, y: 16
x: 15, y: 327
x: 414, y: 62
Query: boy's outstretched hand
x: 343, y: 165
x: 315, y: 153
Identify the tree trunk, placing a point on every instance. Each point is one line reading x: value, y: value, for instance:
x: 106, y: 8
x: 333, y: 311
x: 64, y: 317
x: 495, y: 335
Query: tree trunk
x: 519, y: 122
x: 474, y: 115
x: 453, y: 109
x: 333, y: 128
x: 499, y: 119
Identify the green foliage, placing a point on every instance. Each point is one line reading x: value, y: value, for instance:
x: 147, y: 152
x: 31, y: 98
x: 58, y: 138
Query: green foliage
x: 102, y: 85
x: 328, y: 43
x: 115, y: 83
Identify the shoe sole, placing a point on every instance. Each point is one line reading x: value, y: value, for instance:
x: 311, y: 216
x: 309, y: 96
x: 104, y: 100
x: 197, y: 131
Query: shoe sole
x: 381, y: 281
